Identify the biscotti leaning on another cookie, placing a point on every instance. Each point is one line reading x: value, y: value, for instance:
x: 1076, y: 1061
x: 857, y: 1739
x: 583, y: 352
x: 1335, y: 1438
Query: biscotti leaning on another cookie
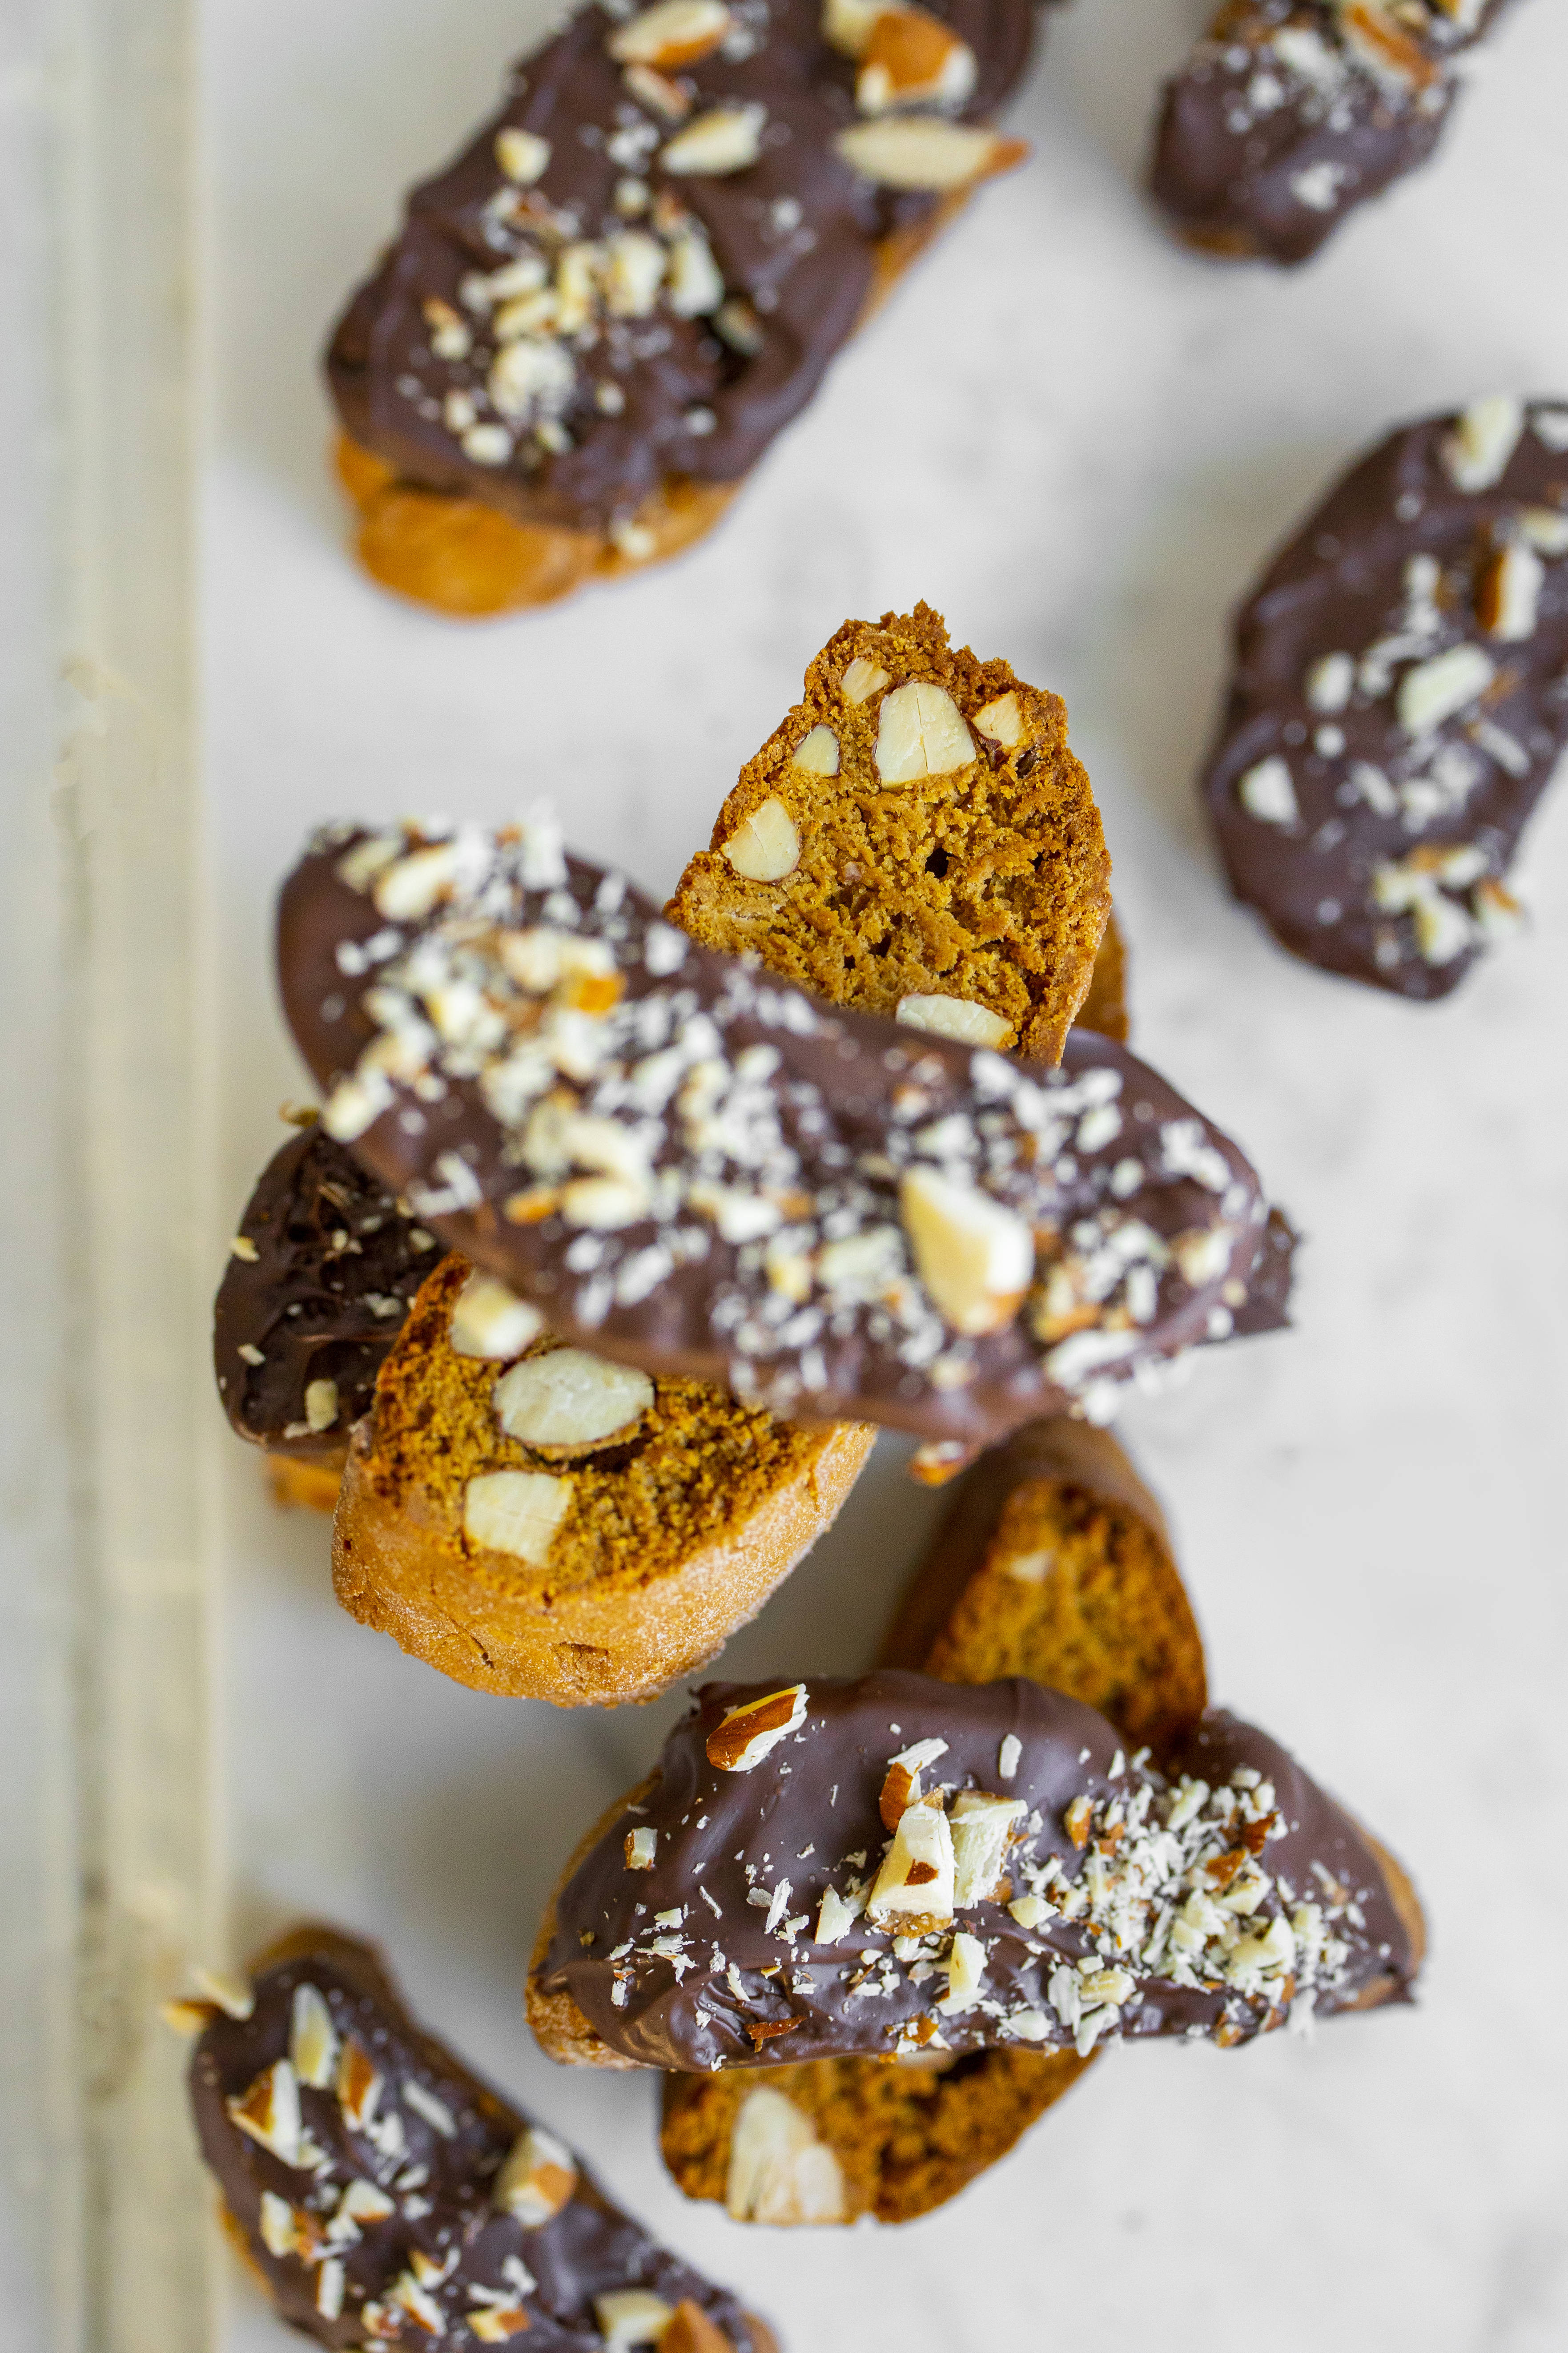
x: 691, y: 1167
x: 894, y: 1865
x: 1291, y: 113
x: 915, y: 839
x: 317, y: 1280
x: 1053, y: 1561
x: 537, y: 1520
x: 594, y: 323
x: 1398, y: 702
x: 382, y: 2194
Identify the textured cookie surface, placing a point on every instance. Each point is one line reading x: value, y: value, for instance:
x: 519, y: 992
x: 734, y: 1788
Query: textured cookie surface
x: 916, y: 834
x: 1291, y: 113
x: 382, y: 2193
x: 1399, y: 700
x: 544, y: 1522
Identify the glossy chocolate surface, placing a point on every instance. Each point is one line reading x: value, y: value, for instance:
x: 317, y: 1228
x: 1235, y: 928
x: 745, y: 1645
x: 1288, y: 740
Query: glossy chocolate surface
x: 628, y: 401
x: 711, y: 1955
x: 1373, y: 844
x: 432, y: 2143
x: 1291, y: 113
x: 750, y: 1122
x: 328, y: 1266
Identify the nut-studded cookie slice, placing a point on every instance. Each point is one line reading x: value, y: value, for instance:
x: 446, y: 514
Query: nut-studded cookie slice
x: 531, y: 1518
x: 1053, y: 1561
x: 915, y: 839
x: 384, y: 2195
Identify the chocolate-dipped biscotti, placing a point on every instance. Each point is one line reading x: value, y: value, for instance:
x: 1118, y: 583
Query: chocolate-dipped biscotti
x: 891, y: 1865
x: 689, y: 1168
x: 594, y: 322
x: 319, y: 1279
x: 1053, y: 1561
x: 1400, y: 700
x: 915, y: 839
x: 384, y: 2195
x: 1291, y: 113
x: 538, y: 1520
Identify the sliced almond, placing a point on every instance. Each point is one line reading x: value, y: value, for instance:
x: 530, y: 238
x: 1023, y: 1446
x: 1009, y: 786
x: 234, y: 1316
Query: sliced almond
x: 696, y: 281
x: 862, y: 679
x: 358, y: 2086
x: 634, y: 273
x: 279, y: 2233
x: 320, y: 1406
x: 741, y: 1740
x: 672, y: 33
x: 362, y: 2202
x: 268, y: 2112
x: 817, y: 752
x: 913, y: 58
x: 233, y: 1995
x: 901, y: 1790
x: 956, y: 1016
x: 516, y: 1512
x: 631, y: 2315
x: 848, y: 24
x: 641, y: 1845
x: 1499, y: 914
x: 312, y: 2038
x: 497, y: 2323
x: 1078, y: 1819
x: 657, y: 92
x: 489, y: 1320
x: 1003, y: 721
x: 1267, y: 792
x: 1508, y: 593
x: 571, y: 1401
x: 692, y: 2330
x: 1391, y: 54
x: 604, y: 1205
x: 1439, y: 689
x: 921, y: 152
x: 981, y: 1829
x: 920, y: 733
x: 965, y: 1973
x: 1330, y: 683
x: 914, y: 1885
x: 1484, y: 439
x: 766, y: 846
x: 975, y: 1257
x: 779, y: 2170
x: 412, y: 886
x: 538, y: 2179
x: 835, y: 1915
x: 728, y: 139
x: 1544, y: 528
x: 523, y: 155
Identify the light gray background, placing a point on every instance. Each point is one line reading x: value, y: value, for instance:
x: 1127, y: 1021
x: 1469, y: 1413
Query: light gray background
x: 1079, y: 444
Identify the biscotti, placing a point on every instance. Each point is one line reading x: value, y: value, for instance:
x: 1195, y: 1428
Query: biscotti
x: 1054, y: 1563
x: 536, y: 1519
x: 689, y: 1167
x: 1290, y: 114
x: 382, y: 2193
x: 317, y: 1280
x: 1397, y: 705
x: 995, y: 1868
x: 915, y: 839
x: 593, y: 324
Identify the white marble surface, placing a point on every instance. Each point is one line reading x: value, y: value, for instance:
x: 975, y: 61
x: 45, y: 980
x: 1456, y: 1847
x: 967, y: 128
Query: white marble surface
x: 1079, y: 444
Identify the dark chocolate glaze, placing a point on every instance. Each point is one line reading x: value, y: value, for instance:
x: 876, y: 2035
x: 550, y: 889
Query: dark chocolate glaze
x: 441, y: 2184
x: 337, y: 1262
x: 1267, y: 1307
x: 664, y: 1996
x: 795, y: 237
x: 1370, y: 796
x: 1279, y: 126
x: 824, y: 1107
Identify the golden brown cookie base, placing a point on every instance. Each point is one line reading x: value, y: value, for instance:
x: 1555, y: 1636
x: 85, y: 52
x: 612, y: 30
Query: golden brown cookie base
x: 987, y: 882
x: 305, y: 1486
x: 1105, y: 1008
x: 670, y: 1541
x: 469, y: 560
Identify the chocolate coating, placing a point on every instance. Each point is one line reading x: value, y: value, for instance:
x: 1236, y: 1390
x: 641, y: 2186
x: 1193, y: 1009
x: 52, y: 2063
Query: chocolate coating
x: 788, y: 1118
x: 337, y: 1262
x: 685, y: 1996
x: 1291, y: 113
x: 794, y: 237
x: 1383, y: 854
x: 440, y: 2184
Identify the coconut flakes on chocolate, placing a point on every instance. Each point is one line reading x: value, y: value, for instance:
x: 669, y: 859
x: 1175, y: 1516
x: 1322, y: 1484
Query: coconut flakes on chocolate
x: 686, y: 1164
x: 1092, y: 1899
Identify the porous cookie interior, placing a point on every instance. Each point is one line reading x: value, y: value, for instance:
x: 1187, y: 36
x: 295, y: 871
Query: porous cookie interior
x: 905, y: 2139
x: 984, y: 880
x: 1081, y: 1594
x: 696, y: 1465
